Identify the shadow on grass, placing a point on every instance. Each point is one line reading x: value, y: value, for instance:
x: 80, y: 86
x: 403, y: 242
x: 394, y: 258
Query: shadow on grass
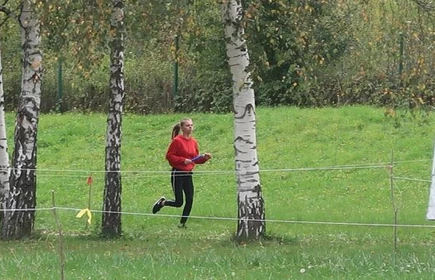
x: 268, y: 239
x: 167, y: 237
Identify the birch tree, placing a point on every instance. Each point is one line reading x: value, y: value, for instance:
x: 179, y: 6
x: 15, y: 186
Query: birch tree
x: 4, y: 157
x: 111, y: 223
x: 19, y: 220
x: 7, y: 14
x: 251, y: 214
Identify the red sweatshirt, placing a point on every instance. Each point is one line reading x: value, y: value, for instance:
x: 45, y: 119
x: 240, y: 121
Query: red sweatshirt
x: 181, y: 149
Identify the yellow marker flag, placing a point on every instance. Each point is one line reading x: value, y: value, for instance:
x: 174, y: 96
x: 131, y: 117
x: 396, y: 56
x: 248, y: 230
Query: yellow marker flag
x: 87, y: 212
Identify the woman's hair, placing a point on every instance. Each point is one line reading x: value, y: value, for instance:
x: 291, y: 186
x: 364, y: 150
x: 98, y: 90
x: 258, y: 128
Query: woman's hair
x: 176, y: 129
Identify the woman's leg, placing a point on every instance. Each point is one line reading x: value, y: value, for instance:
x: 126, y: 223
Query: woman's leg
x: 177, y: 187
x: 188, y: 192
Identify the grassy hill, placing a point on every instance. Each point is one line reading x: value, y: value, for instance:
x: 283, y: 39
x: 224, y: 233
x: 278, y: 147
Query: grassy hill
x: 329, y: 176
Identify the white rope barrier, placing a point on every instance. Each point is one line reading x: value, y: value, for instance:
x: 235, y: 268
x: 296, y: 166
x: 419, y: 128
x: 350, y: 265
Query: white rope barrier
x: 328, y: 168
x: 233, y: 219
x: 331, y: 168
x: 151, y: 173
x: 96, y: 178
x: 411, y: 179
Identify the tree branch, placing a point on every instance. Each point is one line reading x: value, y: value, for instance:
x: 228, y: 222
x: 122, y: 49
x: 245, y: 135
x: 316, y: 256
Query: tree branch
x: 5, y: 10
x: 426, y: 5
x: 8, y: 12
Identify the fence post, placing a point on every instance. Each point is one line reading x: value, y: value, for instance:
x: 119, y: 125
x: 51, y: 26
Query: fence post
x: 176, y: 68
x: 393, y: 199
x: 59, y: 85
x: 400, y: 57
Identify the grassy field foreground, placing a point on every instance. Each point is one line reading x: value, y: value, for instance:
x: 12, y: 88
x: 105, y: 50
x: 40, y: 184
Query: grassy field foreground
x: 329, y: 200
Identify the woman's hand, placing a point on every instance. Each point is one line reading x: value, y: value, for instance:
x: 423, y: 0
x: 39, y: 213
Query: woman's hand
x: 207, y: 156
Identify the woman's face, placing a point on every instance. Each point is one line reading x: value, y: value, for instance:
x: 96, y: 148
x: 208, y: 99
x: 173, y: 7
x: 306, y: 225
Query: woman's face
x: 187, y: 127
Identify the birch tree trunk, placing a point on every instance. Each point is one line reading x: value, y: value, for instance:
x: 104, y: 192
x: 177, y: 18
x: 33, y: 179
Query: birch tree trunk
x: 20, y: 218
x: 251, y: 214
x: 4, y: 157
x: 111, y: 224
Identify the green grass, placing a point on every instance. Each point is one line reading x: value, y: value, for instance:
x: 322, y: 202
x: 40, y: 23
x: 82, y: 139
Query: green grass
x: 313, y: 194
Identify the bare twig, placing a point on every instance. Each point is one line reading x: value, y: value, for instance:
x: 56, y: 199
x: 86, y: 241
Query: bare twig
x: 426, y: 5
x: 62, y: 257
x: 8, y: 12
x: 393, y: 199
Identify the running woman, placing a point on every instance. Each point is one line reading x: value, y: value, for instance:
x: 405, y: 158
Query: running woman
x: 182, y: 155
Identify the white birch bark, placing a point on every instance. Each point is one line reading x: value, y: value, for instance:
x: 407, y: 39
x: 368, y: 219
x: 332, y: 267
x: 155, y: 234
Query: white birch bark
x: 251, y: 224
x: 430, y: 214
x: 19, y: 220
x: 111, y: 223
x: 4, y: 157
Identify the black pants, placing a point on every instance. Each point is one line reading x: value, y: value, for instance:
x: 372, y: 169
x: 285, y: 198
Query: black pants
x: 181, y: 181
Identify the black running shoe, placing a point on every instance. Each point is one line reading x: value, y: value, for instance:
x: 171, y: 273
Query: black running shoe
x: 158, y: 205
x: 182, y: 226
